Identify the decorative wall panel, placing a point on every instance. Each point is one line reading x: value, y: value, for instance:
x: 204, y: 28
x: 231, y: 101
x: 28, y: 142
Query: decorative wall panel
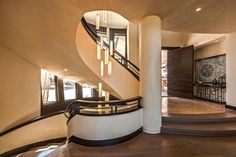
x: 210, y: 68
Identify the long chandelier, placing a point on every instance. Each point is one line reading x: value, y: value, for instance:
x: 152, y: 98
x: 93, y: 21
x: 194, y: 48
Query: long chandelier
x: 104, y: 53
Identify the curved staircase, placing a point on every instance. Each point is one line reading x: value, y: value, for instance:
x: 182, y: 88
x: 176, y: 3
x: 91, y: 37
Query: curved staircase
x: 219, y: 124
x: 124, y: 81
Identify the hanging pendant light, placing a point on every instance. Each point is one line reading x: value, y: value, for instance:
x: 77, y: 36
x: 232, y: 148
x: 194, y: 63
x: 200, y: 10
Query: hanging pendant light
x: 99, y: 108
x: 109, y: 68
x: 111, y: 48
x: 106, y: 59
x: 101, y: 42
x: 102, y: 68
x: 97, y: 21
x: 107, y: 96
x: 99, y: 55
x: 108, y: 34
x: 105, y: 13
x: 100, y: 89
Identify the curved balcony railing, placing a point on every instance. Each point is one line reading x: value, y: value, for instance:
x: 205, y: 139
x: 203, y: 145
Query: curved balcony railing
x: 101, y: 108
x: 133, y: 69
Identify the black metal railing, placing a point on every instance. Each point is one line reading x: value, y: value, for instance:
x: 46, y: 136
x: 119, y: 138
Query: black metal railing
x: 101, y: 108
x: 133, y: 69
x: 211, y: 92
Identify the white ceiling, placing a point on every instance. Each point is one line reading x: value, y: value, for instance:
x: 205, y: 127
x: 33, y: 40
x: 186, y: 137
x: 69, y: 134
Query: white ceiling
x: 114, y: 20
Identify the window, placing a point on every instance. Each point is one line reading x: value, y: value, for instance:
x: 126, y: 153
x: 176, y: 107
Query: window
x: 48, y: 83
x: 69, y: 90
x: 87, y: 91
x: 120, y: 44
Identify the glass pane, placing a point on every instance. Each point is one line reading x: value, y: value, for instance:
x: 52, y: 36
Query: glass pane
x: 87, y: 91
x: 48, y: 87
x: 69, y: 90
x: 119, y: 44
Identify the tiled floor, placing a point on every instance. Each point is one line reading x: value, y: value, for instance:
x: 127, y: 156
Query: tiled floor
x: 174, y: 105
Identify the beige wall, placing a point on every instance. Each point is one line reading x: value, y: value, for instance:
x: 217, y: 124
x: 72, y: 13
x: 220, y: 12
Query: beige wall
x: 45, y: 129
x: 20, y: 89
x: 230, y: 69
x: 133, y: 40
x: 168, y: 39
x: 172, y: 39
x: 211, y: 50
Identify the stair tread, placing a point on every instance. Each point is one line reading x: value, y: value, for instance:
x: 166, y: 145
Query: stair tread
x: 230, y: 126
x: 203, y: 118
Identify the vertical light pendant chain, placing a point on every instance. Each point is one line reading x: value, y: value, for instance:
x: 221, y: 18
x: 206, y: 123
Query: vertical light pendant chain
x: 104, y: 26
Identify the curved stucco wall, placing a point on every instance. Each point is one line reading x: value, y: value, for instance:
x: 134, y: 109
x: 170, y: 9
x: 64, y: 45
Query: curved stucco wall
x: 45, y: 129
x: 105, y: 127
x: 121, y: 80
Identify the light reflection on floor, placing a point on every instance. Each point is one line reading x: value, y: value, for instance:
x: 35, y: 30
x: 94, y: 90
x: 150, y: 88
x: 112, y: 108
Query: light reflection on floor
x: 175, y: 105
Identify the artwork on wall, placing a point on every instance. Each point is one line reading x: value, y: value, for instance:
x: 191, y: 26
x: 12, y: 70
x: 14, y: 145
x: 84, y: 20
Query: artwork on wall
x: 209, y: 69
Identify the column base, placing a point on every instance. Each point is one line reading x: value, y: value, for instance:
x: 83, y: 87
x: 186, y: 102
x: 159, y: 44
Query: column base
x: 152, y: 131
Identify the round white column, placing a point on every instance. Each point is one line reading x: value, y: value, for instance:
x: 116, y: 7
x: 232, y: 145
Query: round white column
x: 150, y: 73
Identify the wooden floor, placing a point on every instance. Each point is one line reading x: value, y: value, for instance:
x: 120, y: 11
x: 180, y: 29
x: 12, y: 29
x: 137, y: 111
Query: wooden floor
x: 146, y: 145
x: 174, y: 105
x: 179, y: 116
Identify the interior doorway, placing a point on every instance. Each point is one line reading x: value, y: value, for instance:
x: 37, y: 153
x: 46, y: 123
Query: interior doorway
x: 164, y: 80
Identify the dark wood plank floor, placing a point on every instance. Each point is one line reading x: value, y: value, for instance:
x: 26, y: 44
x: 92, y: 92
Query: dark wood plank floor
x: 146, y: 145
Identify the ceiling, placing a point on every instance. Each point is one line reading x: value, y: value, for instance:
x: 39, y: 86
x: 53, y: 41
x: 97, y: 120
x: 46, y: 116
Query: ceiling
x: 114, y: 20
x: 216, y: 16
x: 43, y: 32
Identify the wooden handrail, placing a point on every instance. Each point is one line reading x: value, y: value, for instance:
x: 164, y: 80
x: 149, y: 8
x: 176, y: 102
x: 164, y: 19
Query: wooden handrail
x: 106, y: 102
x: 75, y: 107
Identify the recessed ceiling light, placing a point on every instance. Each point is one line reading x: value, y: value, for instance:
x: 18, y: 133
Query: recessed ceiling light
x: 198, y: 9
x: 65, y: 69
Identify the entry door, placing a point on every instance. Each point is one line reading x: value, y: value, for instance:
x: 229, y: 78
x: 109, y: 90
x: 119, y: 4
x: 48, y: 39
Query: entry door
x: 180, y: 72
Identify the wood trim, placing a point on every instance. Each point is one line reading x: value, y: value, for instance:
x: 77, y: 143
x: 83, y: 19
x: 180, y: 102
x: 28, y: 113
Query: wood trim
x: 169, y: 48
x: 230, y: 107
x: 30, y: 146
x: 6, y: 131
x: 110, y: 102
x: 210, y: 57
x: 103, y: 115
x: 97, y: 143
